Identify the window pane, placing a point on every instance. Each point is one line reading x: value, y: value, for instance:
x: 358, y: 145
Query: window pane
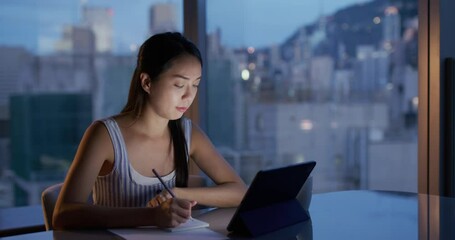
x: 328, y: 81
x: 62, y: 65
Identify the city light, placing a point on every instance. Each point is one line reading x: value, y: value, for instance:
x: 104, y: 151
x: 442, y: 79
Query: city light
x: 245, y: 74
x: 306, y: 125
x: 250, y: 50
x: 133, y: 47
x: 377, y: 20
x: 389, y: 86
x: 387, y: 46
x: 299, y: 158
x: 415, y: 102
x: 257, y: 80
x: 392, y: 10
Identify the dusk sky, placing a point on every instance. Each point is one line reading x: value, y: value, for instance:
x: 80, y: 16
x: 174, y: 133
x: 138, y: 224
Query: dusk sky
x: 250, y: 22
x: 242, y: 22
x: 265, y: 22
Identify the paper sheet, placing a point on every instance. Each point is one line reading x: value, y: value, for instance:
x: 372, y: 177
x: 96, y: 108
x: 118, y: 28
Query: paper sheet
x: 192, y: 229
x: 191, y: 224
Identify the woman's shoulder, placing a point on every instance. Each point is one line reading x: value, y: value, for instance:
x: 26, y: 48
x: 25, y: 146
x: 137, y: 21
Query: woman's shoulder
x: 110, y: 120
x: 97, y: 128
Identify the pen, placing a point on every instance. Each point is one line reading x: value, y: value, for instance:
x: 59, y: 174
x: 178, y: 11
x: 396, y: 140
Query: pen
x: 162, y: 182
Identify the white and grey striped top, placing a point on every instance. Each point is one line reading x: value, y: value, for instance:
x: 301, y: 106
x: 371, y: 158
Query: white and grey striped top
x: 124, y: 186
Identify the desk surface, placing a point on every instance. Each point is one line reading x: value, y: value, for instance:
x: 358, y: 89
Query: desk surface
x: 336, y: 215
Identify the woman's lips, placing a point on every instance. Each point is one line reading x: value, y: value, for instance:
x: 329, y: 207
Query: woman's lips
x: 182, y: 109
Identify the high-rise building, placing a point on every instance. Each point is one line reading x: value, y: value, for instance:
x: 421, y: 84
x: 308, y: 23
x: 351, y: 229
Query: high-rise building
x: 391, y: 27
x: 36, y: 25
x: 342, y: 78
x: 99, y: 20
x: 16, y: 76
x: 77, y: 40
x: 214, y: 47
x: 45, y: 132
x: 163, y: 18
x: 321, y: 77
x: 371, y: 71
x: 336, y: 136
x: 220, y: 124
x: 396, y: 155
x: 65, y: 73
x: 16, y: 66
x: 115, y: 78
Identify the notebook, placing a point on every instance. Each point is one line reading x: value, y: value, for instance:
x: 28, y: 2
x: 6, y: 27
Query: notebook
x: 270, y: 202
x: 191, y: 224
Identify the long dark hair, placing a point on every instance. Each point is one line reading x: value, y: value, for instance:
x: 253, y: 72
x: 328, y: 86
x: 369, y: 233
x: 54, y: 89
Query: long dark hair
x: 155, y: 56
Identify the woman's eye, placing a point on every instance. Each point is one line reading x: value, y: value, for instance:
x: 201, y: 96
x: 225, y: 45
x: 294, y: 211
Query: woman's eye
x: 196, y: 86
x: 179, y: 86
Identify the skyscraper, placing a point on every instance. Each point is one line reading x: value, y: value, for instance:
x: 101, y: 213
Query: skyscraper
x: 77, y: 40
x: 163, y: 18
x: 13, y: 76
x: 99, y: 20
x: 391, y: 27
x: 45, y: 132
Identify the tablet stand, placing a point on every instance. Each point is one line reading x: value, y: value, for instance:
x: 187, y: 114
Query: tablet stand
x: 267, y: 219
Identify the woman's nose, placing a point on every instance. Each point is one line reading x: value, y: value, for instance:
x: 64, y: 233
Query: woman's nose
x: 190, y: 92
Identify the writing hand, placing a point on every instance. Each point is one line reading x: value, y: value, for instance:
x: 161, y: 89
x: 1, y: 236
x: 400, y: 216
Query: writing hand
x: 174, y: 211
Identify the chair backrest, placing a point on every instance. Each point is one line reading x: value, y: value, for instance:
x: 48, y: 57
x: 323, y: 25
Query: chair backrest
x: 48, y: 200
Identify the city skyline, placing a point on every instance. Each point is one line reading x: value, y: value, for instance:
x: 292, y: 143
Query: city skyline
x: 333, y: 92
x: 258, y: 29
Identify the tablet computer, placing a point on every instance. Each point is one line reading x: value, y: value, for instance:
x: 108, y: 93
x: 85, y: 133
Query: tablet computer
x: 270, y: 202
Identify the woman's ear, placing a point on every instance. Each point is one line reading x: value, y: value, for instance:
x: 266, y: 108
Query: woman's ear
x: 146, y: 83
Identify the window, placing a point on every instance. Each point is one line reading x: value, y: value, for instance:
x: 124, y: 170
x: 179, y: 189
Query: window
x: 64, y: 64
x: 331, y: 82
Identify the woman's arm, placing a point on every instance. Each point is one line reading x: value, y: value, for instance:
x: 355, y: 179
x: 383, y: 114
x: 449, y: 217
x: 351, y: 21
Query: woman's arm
x: 229, y: 189
x: 72, y: 209
x: 85, y: 216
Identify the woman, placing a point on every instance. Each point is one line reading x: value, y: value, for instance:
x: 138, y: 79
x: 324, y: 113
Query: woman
x: 116, y: 155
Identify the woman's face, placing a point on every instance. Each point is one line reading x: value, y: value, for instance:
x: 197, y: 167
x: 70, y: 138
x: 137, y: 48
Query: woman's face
x: 174, y: 91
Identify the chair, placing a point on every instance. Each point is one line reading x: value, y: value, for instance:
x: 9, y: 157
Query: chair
x: 48, y: 200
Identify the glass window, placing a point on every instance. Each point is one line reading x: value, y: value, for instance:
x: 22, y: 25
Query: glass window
x: 62, y: 65
x: 328, y: 81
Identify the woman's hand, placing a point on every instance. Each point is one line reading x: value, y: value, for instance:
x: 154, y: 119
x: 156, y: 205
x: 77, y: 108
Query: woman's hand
x: 173, y: 212
x: 159, y: 199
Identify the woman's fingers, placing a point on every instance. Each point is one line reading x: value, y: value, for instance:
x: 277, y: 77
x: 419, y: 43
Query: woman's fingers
x: 178, y: 211
x: 181, y: 207
x: 176, y: 214
x: 158, y: 199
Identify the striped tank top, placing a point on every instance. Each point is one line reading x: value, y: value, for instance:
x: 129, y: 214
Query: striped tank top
x: 124, y: 186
